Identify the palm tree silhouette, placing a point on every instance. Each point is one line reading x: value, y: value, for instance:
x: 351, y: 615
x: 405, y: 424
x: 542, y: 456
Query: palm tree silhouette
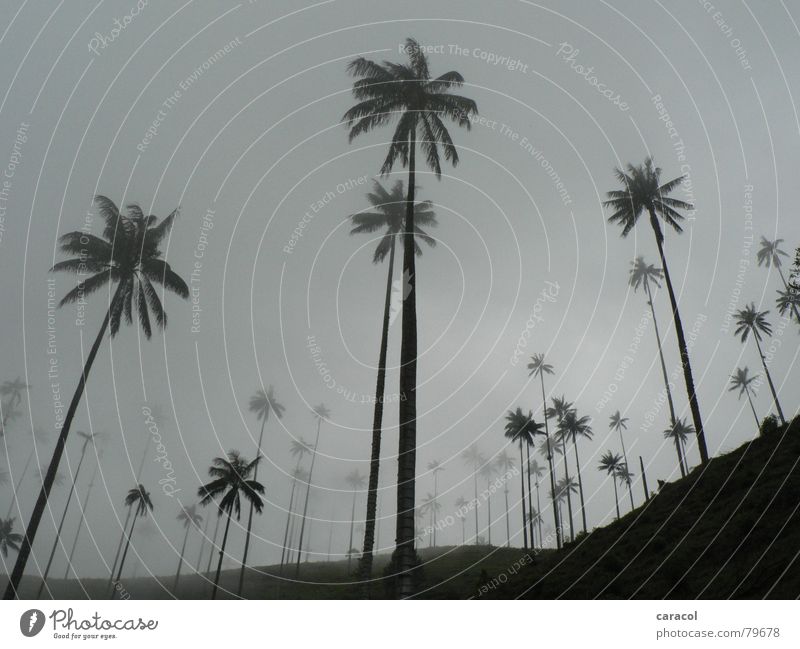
x: 82, y: 518
x: 643, y: 192
x: 504, y: 464
x: 619, y: 423
x: 430, y: 506
x: 747, y: 320
x: 625, y: 476
x: 261, y: 403
x: 536, y: 472
x: 231, y: 482
x: 356, y: 482
x: 190, y: 518
x: 561, y: 408
x: 538, y: 366
x: 128, y: 254
x: 741, y: 381
x: 12, y: 392
x: 488, y: 472
x: 461, y: 505
x: 87, y: 439
x: 138, y: 500
x: 407, y: 91
x: 388, y: 215
x: 679, y: 432
x: 435, y: 467
x: 610, y: 463
x: 38, y: 436
x: 320, y: 413
x: 9, y: 540
x: 769, y: 254
x: 522, y: 428
x: 474, y: 459
x: 298, y: 449
x: 573, y: 427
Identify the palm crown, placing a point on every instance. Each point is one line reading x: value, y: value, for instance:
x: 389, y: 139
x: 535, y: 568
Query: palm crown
x: 750, y: 319
x: 560, y: 408
x: 232, y: 478
x: 321, y: 412
x: 618, y: 422
x: 190, y: 516
x: 770, y: 253
x: 573, y: 426
x: 679, y: 430
x: 355, y: 480
x: 9, y: 540
x: 741, y: 380
x: 610, y: 462
x: 139, y: 498
x: 521, y: 427
x: 299, y: 447
x: 262, y: 403
x: 14, y: 391
x: 643, y: 274
x: 537, y: 366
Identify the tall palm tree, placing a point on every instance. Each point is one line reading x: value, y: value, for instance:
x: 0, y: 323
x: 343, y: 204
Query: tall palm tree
x: 610, y: 463
x: 644, y: 274
x: 82, y: 518
x: 679, y: 432
x: 769, y: 254
x: 561, y: 408
x: 356, y: 481
x: 12, y: 392
x: 321, y: 413
x: 406, y: 91
x: 461, y: 504
x: 9, y: 540
x: 87, y: 439
x: 750, y: 319
x: 536, y: 472
x: 430, y: 506
x: 643, y: 192
x: 488, y: 471
x: 742, y: 381
x: 435, y: 467
x: 474, y: 459
x: 262, y: 404
x: 127, y: 254
x: 231, y: 481
x: 522, y: 428
x: 138, y: 500
x: 388, y: 215
x: 298, y: 449
x: 38, y: 436
x: 574, y: 427
x: 538, y: 366
x: 625, y: 476
x: 190, y: 518
x: 503, y: 464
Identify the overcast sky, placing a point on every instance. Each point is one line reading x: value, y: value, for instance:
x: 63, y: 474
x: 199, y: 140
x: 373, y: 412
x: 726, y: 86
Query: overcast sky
x: 248, y: 140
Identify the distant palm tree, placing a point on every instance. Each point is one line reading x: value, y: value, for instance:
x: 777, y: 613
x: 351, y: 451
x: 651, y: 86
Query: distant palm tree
x: 679, y: 432
x: 9, y: 540
x: 522, y: 428
x: 574, y: 427
x: 504, y: 464
x: 741, y: 381
x: 321, y: 413
x: 128, y: 254
x: 536, y: 472
x: 538, y: 366
x: 407, y: 91
x: 561, y: 408
x: 231, y: 482
x: 298, y: 449
x: 87, y: 439
x: 82, y: 518
x: 474, y: 459
x: 487, y: 472
x: 610, y: 463
x: 747, y: 320
x: 38, y: 436
x: 12, y: 392
x: 435, y: 467
x: 769, y: 254
x: 262, y: 404
x: 430, y: 506
x: 618, y: 423
x: 643, y: 191
x: 190, y: 518
x: 356, y: 481
x: 138, y: 499
x: 461, y: 505
x: 626, y: 477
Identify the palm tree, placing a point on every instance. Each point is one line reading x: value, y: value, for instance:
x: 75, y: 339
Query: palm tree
x: 9, y: 540
x: 643, y: 192
x: 561, y: 408
x: 82, y: 518
x: 625, y: 477
x: 574, y: 426
x: 435, y: 467
x: 138, y: 500
x: 430, y: 506
x: 741, y: 381
x: 536, y: 472
x: 474, y: 459
x: 87, y: 439
x: 538, y: 366
x: 38, y: 436
x: 610, y: 463
x: 487, y: 471
x: 12, y: 392
x: 522, y: 428
x: 190, y: 518
x: 231, y: 482
x: 679, y: 432
x: 261, y: 403
x: 769, y: 254
x: 503, y: 464
x: 356, y: 482
x: 460, y: 504
x: 747, y: 320
x: 127, y: 254
x: 388, y: 215
x: 320, y: 413
x: 407, y: 91
x: 644, y: 274
x: 298, y: 449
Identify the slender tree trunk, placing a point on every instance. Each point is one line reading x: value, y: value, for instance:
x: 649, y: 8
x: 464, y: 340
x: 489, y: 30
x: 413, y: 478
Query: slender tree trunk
x: 52, y: 469
x: 616, y: 497
x: 580, y: 483
x: 57, y: 539
x: 14, y: 496
x: 250, y: 513
x: 788, y: 290
x: 124, y: 554
x: 352, y: 525
x: 508, y: 523
x: 769, y: 379
x: 550, y: 463
x: 365, y: 564
x: 463, y: 531
x: 405, y: 559
x: 213, y: 544
x: 202, y: 545
x: 539, y: 519
x: 435, y: 502
x: 522, y: 489
x: 475, y: 483
x: 672, y: 416
x: 489, y: 509
x: 687, y: 367
x: 569, y: 497
x: 81, y: 520
x: 753, y: 408
x: 221, y: 555
x: 330, y: 540
x: 180, y: 561
x: 644, y: 481
x: 289, y: 513
x: 530, y: 494
x: 305, y: 505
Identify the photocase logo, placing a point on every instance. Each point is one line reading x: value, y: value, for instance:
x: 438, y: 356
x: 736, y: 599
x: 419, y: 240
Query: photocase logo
x: 31, y: 622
